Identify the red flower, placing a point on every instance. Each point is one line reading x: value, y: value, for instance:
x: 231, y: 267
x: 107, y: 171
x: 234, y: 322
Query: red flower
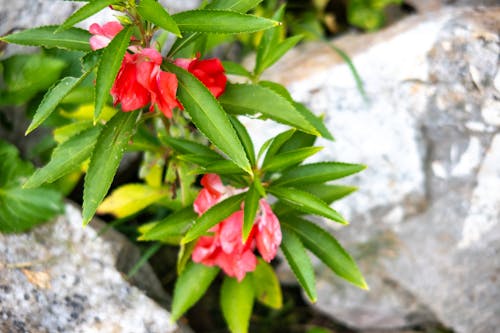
x: 140, y: 81
x: 210, y: 72
x: 225, y: 247
x: 103, y: 34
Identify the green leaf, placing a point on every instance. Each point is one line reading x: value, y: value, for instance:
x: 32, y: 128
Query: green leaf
x: 254, y: 99
x: 329, y: 193
x: 202, y: 161
x: 184, y: 256
x: 27, y: 74
x: 269, y: 40
x: 222, y: 167
x: 129, y: 199
x: 105, y: 160
x: 66, y: 158
x: 184, y: 146
x: 189, y: 39
x: 209, y: 117
x: 299, y: 262
x: 317, y: 122
x: 305, y: 112
x: 279, y: 50
x: 244, y: 138
x: 276, y: 143
x: 214, y: 215
x: 155, y: 13
x: 191, y: 286
x: 144, y: 259
x: 71, y: 39
x: 297, y: 140
x: 277, y: 88
x: 174, y: 226
x: 289, y: 158
x: 319, y: 330
x: 64, y: 133
x: 221, y: 21
x: 88, y: 10
x: 20, y: 209
x: 267, y: 286
x: 236, y: 300
x: 318, y: 173
x: 234, y: 68
x: 365, y: 15
x: 327, y: 249
x: 108, y: 68
x: 354, y: 71
x: 241, y: 6
x: 90, y: 60
x: 306, y: 202
x: 252, y: 198
x: 52, y: 98
x: 182, y: 44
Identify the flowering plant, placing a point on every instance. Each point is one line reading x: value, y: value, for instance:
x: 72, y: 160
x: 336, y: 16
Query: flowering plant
x: 181, y: 111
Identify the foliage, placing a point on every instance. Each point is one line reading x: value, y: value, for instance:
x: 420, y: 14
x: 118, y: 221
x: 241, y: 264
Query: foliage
x: 21, y: 208
x: 184, y: 116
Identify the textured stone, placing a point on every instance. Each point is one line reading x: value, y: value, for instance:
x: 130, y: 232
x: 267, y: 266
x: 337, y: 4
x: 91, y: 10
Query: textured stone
x: 424, y: 224
x: 61, y: 277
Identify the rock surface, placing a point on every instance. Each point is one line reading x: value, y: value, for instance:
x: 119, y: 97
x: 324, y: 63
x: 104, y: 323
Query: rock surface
x: 61, y: 277
x: 425, y: 224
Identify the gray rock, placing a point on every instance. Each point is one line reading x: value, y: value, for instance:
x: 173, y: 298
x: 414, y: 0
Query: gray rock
x: 423, y: 6
x: 61, y: 277
x: 425, y: 222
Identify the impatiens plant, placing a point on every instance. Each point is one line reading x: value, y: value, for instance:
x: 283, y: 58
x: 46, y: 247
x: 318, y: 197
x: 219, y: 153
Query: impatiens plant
x: 227, y: 207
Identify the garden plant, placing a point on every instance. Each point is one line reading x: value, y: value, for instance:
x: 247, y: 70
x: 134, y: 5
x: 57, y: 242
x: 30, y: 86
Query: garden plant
x: 144, y: 84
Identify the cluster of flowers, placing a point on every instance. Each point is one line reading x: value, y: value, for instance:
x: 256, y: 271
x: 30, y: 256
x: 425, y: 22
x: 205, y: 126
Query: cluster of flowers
x: 225, y: 248
x: 140, y: 80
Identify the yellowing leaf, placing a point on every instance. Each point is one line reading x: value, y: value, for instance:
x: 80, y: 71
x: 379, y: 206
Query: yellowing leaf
x: 86, y: 112
x: 131, y: 198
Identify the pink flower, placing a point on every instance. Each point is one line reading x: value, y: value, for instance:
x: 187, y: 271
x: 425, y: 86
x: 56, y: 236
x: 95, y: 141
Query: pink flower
x: 224, y: 247
x: 268, y: 234
x: 210, y: 72
x: 103, y: 34
x: 140, y: 81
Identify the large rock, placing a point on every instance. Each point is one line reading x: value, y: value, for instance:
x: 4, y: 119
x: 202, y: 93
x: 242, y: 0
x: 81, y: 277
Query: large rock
x: 61, y: 277
x: 425, y: 224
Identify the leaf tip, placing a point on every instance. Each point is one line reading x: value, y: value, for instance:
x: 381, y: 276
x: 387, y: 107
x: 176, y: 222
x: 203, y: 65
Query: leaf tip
x: 186, y: 239
x: 364, y: 285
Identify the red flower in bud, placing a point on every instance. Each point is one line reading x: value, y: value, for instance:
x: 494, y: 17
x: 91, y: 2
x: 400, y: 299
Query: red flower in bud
x: 225, y: 247
x: 103, y: 34
x: 209, y: 71
x: 140, y: 81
